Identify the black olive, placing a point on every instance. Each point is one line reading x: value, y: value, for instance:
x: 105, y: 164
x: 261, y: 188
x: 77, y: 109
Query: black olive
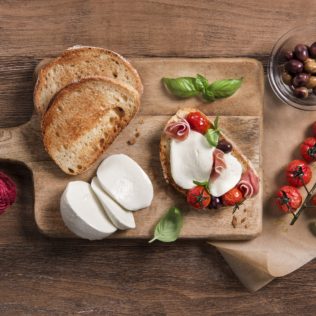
x: 312, y: 50
x: 224, y: 146
x: 301, y: 52
x: 216, y: 202
x: 288, y: 55
x: 300, y: 80
x: 301, y: 92
x: 294, y: 66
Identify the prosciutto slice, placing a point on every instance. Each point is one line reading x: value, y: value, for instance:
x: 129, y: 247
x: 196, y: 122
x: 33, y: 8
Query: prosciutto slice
x: 219, y: 163
x: 249, y: 184
x: 178, y: 130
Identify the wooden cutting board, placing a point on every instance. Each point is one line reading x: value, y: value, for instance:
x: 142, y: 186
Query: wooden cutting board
x: 241, y: 120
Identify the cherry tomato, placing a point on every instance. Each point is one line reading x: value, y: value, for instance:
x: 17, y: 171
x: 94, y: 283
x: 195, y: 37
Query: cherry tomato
x: 308, y: 149
x: 232, y: 197
x: 298, y: 173
x: 313, y: 200
x: 198, y: 197
x: 314, y: 129
x: 288, y: 199
x: 198, y: 122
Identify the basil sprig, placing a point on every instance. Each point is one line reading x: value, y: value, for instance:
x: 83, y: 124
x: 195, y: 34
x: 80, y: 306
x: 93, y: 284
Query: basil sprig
x: 185, y: 87
x: 169, y: 226
x: 212, y: 134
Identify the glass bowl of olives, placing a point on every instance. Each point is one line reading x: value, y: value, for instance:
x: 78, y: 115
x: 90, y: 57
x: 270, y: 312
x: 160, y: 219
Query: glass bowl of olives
x: 292, y: 68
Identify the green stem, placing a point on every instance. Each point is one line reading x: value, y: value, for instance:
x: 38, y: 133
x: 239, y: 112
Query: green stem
x: 152, y: 240
x: 304, y: 205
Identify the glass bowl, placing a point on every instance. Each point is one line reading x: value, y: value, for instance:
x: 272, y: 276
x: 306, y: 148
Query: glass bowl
x: 299, y: 35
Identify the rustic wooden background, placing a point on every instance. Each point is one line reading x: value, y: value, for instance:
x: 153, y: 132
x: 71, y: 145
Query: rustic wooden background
x: 42, y: 276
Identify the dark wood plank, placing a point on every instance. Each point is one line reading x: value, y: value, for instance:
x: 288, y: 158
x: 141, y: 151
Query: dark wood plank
x: 42, y: 276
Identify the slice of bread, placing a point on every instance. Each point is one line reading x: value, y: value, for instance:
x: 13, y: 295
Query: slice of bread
x: 165, y: 151
x: 78, y: 63
x: 84, y: 119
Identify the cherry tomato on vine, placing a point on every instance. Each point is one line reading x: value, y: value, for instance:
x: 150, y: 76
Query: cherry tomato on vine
x: 288, y: 199
x: 298, y: 173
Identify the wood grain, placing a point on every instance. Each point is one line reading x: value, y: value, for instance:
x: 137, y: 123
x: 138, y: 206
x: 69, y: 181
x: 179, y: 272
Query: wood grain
x: 245, y: 131
x: 40, y: 276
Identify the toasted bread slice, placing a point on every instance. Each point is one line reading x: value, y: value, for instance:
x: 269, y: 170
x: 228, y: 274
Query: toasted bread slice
x: 84, y: 119
x: 165, y: 151
x: 76, y: 64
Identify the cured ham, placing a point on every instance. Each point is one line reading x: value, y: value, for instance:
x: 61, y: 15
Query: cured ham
x: 178, y: 130
x: 219, y: 164
x: 249, y: 184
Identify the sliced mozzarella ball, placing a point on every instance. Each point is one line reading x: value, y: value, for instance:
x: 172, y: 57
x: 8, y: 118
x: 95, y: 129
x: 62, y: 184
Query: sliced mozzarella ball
x: 126, y: 182
x: 191, y: 159
x: 82, y: 212
x: 121, y: 218
x: 228, y: 178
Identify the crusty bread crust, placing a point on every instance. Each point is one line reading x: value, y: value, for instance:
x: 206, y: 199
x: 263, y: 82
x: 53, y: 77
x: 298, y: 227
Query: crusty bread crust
x: 83, y: 120
x: 79, y: 63
x: 165, y: 150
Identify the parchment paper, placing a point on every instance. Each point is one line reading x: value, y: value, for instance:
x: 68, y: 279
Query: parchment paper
x: 281, y: 248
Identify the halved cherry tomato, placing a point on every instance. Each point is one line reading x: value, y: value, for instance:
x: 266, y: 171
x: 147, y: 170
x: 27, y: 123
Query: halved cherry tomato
x: 198, y: 197
x: 298, y: 173
x: 198, y: 122
x: 232, y: 197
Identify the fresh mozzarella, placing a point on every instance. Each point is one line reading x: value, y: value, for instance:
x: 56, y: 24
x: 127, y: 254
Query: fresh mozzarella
x: 126, y: 182
x: 228, y: 178
x: 121, y: 218
x: 82, y: 212
x: 190, y: 159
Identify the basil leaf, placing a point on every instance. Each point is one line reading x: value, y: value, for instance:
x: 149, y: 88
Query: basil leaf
x: 224, y: 88
x: 208, y: 95
x: 169, y: 226
x: 212, y: 136
x: 216, y: 122
x: 201, y: 83
x: 203, y: 183
x: 182, y: 87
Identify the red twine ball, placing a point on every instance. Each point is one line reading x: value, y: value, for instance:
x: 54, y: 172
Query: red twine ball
x: 7, y: 192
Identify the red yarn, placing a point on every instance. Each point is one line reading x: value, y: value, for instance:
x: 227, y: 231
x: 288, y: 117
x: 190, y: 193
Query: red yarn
x: 7, y: 192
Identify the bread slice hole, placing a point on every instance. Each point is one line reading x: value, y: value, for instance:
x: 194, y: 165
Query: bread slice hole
x: 71, y: 170
x: 79, y: 167
x: 114, y: 73
x: 119, y: 111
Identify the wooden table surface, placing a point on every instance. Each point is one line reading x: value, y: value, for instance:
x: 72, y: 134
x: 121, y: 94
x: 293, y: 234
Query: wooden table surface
x: 42, y: 276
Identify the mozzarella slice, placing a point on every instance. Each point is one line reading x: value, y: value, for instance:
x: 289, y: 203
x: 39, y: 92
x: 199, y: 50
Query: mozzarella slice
x: 228, y: 178
x: 190, y: 159
x: 121, y: 218
x: 126, y: 182
x: 82, y: 212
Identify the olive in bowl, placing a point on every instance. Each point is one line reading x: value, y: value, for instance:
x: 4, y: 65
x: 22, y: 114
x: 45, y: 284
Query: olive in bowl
x: 292, y: 68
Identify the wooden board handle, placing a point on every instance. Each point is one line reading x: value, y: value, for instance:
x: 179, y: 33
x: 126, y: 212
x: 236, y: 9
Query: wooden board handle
x: 17, y: 143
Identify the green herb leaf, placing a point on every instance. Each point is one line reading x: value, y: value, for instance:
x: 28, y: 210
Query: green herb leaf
x: 208, y: 95
x: 183, y: 87
x: 201, y: 83
x: 224, y: 88
x: 216, y: 122
x: 169, y: 226
x: 212, y: 136
x: 202, y: 183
